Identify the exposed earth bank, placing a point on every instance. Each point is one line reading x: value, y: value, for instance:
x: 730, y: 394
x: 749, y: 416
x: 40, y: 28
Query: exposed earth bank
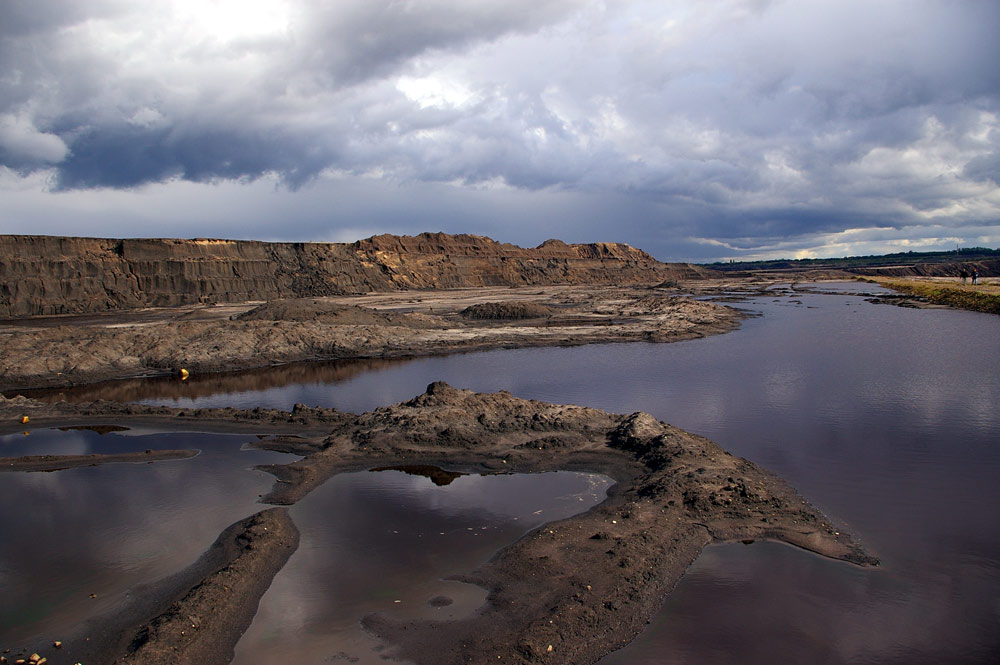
x: 43, y: 275
x: 569, y: 592
x: 64, y: 351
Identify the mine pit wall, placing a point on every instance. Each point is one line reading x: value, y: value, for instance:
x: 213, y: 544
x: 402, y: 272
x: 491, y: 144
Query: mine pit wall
x: 985, y: 268
x: 44, y: 275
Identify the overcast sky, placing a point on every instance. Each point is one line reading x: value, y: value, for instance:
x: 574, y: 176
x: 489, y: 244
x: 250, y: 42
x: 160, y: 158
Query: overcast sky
x: 694, y: 129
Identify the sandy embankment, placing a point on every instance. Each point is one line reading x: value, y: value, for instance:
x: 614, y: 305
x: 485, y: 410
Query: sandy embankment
x: 568, y: 592
x: 61, y: 462
x: 64, y: 351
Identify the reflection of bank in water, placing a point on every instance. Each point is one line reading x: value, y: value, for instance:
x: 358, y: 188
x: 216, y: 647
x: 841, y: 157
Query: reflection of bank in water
x: 167, y: 390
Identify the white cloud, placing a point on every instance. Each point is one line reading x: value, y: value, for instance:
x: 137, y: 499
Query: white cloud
x: 23, y: 141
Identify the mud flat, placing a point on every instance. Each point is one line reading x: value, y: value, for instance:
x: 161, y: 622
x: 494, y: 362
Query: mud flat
x: 569, y: 592
x: 70, y: 350
x: 61, y: 462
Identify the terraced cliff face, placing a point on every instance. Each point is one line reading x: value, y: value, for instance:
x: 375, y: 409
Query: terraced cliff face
x: 985, y: 268
x: 56, y: 275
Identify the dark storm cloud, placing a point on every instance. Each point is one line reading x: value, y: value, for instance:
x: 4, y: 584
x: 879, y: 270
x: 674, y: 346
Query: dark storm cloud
x: 23, y: 17
x: 238, y: 119
x: 354, y: 40
x: 709, y: 123
x: 985, y: 168
x: 126, y: 156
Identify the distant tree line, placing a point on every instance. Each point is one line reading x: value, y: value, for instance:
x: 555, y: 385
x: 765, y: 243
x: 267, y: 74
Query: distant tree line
x: 874, y: 260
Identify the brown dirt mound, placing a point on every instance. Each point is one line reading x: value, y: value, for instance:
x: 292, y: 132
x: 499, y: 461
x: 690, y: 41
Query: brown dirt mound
x: 507, y: 311
x: 318, y: 309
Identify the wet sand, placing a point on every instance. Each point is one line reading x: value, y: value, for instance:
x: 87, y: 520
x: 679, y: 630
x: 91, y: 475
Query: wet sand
x: 61, y: 462
x: 568, y: 592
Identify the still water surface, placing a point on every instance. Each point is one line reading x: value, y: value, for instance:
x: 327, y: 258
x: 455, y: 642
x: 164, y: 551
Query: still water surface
x: 385, y: 542
x: 75, y: 542
x: 886, y: 418
x: 79, y: 543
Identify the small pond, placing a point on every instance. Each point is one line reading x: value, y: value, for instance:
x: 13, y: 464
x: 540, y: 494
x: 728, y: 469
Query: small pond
x: 81, y: 542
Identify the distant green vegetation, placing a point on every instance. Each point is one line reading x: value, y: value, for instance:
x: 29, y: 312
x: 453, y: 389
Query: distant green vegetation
x: 898, y: 259
x: 978, y: 299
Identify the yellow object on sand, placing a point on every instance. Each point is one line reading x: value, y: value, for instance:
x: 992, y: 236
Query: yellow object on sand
x: 184, y: 374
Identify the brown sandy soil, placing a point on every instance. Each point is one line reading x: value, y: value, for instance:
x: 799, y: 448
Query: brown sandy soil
x: 198, y: 628
x: 985, y: 285
x: 194, y: 617
x: 63, y: 351
x: 60, y: 462
x: 568, y: 592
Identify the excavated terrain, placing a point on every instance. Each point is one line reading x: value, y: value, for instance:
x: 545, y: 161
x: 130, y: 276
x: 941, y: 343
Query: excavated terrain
x: 42, y: 275
x: 66, y: 351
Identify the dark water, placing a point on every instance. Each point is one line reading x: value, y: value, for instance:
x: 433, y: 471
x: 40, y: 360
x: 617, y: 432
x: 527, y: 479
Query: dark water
x: 102, y: 530
x: 383, y: 542
x: 886, y: 418
x: 76, y: 543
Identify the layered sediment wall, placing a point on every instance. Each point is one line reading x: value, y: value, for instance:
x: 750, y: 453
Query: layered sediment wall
x: 985, y: 268
x: 41, y: 275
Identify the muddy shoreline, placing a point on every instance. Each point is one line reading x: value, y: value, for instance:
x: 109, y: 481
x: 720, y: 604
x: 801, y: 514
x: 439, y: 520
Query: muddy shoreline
x: 29, y: 463
x: 63, y: 351
x: 569, y: 592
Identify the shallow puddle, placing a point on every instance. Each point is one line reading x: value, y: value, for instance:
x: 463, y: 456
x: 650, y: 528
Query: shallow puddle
x: 75, y: 542
x: 385, y: 542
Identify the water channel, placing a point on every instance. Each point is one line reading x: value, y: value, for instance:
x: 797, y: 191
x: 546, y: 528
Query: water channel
x: 886, y: 418
x: 80, y: 543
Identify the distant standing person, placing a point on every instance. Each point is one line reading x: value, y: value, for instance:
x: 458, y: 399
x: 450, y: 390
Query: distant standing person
x: 964, y: 275
x: 975, y: 276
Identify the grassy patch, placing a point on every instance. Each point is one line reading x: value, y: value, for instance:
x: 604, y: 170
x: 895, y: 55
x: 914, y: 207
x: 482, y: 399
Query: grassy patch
x: 975, y: 298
